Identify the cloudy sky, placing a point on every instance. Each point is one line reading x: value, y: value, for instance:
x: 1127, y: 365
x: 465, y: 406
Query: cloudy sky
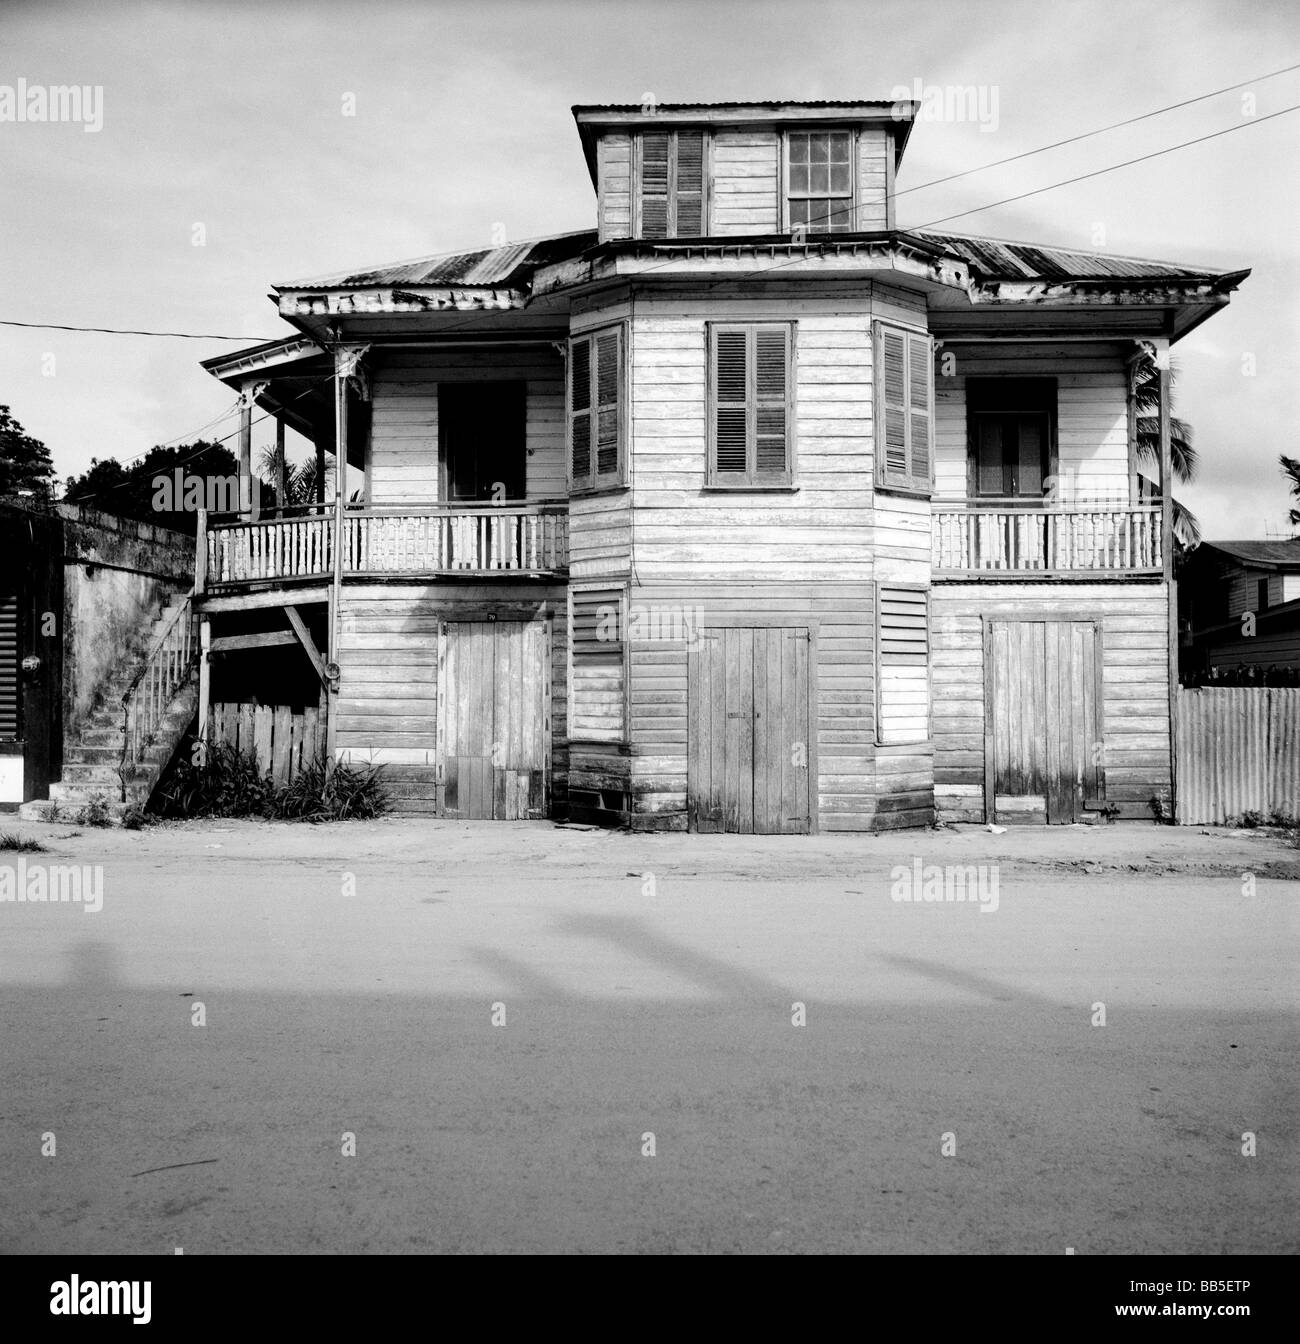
x: 230, y: 117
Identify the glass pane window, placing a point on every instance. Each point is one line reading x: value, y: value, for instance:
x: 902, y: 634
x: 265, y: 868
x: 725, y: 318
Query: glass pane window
x: 820, y: 180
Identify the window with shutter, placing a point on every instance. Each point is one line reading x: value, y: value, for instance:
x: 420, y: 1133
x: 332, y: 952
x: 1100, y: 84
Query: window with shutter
x: 904, y: 395
x: 596, y: 409
x: 670, y: 193
x: 903, y: 672
x: 751, y: 412
x: 596, y: 708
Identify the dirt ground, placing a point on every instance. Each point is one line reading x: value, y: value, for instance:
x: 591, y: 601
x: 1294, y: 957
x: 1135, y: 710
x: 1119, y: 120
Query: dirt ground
x: 501, y: 1014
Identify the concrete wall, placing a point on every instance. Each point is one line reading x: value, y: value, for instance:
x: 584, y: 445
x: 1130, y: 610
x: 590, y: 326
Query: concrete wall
x: 117, y: 574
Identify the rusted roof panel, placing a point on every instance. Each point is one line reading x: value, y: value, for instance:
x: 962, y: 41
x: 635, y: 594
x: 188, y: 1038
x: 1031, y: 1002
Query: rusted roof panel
x: 996, y: 258
x: 490, y: 267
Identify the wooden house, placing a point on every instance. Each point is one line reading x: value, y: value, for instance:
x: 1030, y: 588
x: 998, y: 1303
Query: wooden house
x: 1240, y: 606
x: 746, y: 511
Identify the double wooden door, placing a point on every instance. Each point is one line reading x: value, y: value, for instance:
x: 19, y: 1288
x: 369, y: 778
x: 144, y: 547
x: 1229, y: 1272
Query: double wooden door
x: 494, y: 722
x: 1043, y: 721
x: 749, y: 766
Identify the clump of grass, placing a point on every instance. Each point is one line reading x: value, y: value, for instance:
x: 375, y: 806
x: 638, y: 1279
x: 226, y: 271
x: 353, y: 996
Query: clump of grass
x: 133, y: 819
x: 20, y: 844
x: 225, y: 782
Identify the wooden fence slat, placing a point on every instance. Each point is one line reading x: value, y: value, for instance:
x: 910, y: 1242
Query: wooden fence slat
x: 280, y: 741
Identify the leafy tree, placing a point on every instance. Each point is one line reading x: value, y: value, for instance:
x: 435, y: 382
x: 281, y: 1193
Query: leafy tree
x: 147, y: 489
x: 1291, y: 469
x: 1182, y: 455
x: 26, y: 468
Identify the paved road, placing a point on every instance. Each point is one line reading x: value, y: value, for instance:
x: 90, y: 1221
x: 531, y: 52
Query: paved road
x: 636, y: 1006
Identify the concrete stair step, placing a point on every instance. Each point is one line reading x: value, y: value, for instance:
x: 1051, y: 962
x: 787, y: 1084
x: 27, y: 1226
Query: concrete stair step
x: 96, y: 773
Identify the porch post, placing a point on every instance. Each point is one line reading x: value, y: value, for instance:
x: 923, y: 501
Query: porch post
x: 245, y: 452
x: 249, y: 496
x: 1167, y: 554
x: 205, y: 676
x: 279, y: 465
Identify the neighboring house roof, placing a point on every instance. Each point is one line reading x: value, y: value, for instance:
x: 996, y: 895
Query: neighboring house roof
x: 504, y: 266
x: 1282, y: 554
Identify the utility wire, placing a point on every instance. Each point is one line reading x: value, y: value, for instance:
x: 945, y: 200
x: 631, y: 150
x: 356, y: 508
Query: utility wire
x: 1128, y: 163
x: 257, y: 420
x: 1101, y: 130
x: 128, y: 331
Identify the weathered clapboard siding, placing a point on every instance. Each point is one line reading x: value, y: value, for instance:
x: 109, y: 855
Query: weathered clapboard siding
x: 1091, y: 412
x: 388, y: 693
x: 404, y: 424
x: 1243, y: 590
x: 842, y: 617
x: 614, y: 182
x: 684, y: 531
x: 745, y: 181
x: 745, y: 189
x: 873, y: 151
x: 1135, y: 698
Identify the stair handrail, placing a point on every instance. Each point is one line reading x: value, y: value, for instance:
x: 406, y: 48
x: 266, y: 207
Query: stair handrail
x: 164, y: 677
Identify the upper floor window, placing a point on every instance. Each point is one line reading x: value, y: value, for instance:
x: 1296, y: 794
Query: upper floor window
x: 670, y: 184
x: 819, y: 181
x: 751, y: 404
x: 1010, y: 434
x: 904, y: 401
x: 596, y: 447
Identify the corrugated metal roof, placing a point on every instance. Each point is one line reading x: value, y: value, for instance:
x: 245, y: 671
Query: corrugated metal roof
x: 489, y: 267
x: 1282, y: 552
x: 1000, y: 259
x: 766, y: 103
x: 511, y: 265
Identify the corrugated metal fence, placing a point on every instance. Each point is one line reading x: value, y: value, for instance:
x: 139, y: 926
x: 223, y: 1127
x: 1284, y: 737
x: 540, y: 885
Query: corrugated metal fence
x: 1238, y: 751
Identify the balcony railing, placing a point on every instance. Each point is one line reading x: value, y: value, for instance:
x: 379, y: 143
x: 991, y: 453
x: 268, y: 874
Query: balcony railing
x: 975, y: 541
x: 524, y: 540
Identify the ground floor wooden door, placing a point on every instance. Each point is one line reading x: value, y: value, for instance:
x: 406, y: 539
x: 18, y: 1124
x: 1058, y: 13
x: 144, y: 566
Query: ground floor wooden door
x: 748, y: 749
x: 494, y: 722
x: 1042, y: 728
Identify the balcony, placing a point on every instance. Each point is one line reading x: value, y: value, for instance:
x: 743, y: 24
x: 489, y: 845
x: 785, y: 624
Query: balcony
x: 516, y: 540
x: 972, y: 541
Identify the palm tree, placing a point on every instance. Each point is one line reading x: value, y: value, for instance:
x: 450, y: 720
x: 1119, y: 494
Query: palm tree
x: 1182, y: 455
x: 299, y: 481
x: 1291, y: 469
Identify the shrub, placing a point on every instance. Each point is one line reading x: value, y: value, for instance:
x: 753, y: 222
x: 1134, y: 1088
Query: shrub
x: 228, y: 783
x: 95, y: 812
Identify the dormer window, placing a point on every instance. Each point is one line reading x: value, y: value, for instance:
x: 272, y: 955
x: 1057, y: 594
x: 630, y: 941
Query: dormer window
x: 670, y: 184
x: 819, y: 181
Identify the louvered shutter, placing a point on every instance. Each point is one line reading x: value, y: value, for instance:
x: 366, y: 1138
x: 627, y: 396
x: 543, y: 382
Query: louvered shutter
x: 607, y: 408
x: 920, y: 410
x: 904, y: 409
x: 731, y: 410
x: 654, y: 184
x: 689, y: 194
x: 580, y: 410
x: 903, y: 698
x: 596, y: 687
x: 10, y: 684
x: 771, y: 402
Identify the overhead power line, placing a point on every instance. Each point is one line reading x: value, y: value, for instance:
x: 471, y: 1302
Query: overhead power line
x: 1101, y: 130
x: 129, y: 331
x: 1114, y: 167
